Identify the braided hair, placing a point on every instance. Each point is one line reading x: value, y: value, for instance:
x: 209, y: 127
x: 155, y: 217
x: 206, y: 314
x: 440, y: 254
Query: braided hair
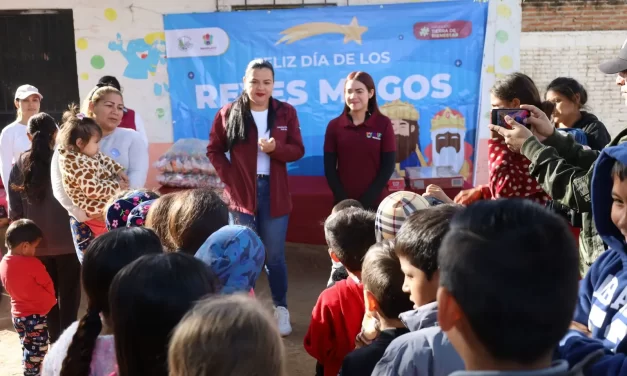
x: 42, y: 129
x: 104, y: 258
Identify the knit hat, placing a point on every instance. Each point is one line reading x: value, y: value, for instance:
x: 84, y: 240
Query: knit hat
x: 236, y: 254
x: 394, y: 210
x: 118, y: 213
x: 137, y: 216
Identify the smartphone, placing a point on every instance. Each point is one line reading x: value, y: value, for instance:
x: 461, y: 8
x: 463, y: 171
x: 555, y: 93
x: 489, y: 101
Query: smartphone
x: 498, y: 116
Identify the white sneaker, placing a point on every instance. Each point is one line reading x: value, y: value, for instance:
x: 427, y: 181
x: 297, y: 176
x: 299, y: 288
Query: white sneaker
x: 282, y: 316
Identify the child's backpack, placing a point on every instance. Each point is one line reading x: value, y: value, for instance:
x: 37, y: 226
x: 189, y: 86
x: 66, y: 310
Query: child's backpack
x: 579, y: 135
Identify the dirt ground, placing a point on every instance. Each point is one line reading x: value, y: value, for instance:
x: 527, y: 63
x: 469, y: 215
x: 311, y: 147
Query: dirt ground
x: 308, y: 268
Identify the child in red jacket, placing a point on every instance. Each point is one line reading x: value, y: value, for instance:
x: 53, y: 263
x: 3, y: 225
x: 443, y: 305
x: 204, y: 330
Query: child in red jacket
x: 32, y: 293
x: 336, y: 318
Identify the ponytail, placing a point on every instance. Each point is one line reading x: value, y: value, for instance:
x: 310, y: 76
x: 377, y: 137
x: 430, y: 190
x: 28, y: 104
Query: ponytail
x: 77, y: 362
x: 36, y: 171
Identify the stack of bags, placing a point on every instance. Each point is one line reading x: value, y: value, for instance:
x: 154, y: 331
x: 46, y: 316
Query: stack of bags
x: 185, y: 165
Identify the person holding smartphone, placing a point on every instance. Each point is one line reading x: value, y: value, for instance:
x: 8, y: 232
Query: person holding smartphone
x: 508, y: 171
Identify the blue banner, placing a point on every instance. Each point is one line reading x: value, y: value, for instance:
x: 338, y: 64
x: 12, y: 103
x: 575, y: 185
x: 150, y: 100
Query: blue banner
x: 425, y: 59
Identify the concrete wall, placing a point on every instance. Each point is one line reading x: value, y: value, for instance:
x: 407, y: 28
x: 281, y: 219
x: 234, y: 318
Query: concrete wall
x: 571, y: 38
x: 547, y: 55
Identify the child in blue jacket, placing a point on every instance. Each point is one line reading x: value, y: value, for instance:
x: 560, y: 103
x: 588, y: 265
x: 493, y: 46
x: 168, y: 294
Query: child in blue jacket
x: 603, y: 292
x: 601, y: 312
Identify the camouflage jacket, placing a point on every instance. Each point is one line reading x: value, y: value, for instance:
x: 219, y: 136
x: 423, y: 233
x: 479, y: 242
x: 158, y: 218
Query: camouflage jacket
x: 564, y: 170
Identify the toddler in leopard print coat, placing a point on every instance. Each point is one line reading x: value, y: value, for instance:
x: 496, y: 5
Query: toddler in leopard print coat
x: 90, y: 178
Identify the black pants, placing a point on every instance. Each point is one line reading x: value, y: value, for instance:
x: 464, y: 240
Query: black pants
x: 65, y: 271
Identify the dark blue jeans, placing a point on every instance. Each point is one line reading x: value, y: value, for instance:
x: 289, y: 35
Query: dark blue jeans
x: 272, y: 232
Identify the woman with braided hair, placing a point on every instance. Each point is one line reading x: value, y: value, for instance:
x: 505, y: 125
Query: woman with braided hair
x: 87, y: 348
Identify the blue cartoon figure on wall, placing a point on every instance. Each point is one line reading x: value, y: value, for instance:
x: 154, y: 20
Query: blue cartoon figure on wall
x: 143, y: 56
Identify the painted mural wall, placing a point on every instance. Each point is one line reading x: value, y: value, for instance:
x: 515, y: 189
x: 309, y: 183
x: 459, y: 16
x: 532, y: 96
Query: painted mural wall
x: 109, y: 42
x: 125, y: 39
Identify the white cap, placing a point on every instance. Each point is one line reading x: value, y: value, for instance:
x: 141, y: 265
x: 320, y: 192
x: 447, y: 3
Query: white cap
x: 26, y: 91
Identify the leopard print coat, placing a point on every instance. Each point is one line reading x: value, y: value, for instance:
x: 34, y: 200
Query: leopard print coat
x: 89, y: 182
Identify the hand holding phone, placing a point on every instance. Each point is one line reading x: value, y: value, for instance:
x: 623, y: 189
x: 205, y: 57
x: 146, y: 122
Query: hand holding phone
x: 519, y: 115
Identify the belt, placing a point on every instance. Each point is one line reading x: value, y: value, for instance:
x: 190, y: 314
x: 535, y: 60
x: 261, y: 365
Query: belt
x: 263, y: 176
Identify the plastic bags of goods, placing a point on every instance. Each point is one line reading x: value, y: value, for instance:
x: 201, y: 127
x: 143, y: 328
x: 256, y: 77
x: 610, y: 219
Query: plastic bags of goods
x: 185, y: 165
x: 170, y: 179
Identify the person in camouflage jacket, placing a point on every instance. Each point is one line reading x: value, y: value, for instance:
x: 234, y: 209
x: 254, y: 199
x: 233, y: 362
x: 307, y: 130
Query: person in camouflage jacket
x: 561, y: 166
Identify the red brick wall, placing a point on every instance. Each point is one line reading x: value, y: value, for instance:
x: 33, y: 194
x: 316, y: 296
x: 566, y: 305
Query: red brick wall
x: 576, y: 15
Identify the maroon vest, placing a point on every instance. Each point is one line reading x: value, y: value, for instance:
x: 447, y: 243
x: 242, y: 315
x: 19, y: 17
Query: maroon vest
x: 128, y: 120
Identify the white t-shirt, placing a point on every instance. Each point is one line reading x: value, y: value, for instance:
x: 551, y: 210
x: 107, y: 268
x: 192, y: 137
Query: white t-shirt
x: 103, y: 360
x: 13, y: 142
x: 263, y: 159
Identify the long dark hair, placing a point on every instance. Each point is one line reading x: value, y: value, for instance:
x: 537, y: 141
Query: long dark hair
x: 519, y: 85
x: 239, y: 118
x: 569, y: 87
x: 143, y: 318
x: 367, y: 80
x: 104, y: 258
x: 42, y: 128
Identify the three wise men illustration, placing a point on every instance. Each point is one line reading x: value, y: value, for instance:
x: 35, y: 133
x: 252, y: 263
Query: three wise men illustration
x: 404, y: 117
x: 447, y: 147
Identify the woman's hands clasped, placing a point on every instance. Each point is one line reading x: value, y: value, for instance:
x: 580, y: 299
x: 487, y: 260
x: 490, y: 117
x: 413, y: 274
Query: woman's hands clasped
x: 267, y: 145
x: 539, y: 126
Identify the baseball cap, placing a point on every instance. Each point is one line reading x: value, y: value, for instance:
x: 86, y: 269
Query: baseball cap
x: 394, y: 210
x: 26, y: 91
x: 618, y: 64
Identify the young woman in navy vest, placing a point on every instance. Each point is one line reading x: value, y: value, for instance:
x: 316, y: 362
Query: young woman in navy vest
x: 360, y: 146
x: 130, y: 118
x: 262, y: 135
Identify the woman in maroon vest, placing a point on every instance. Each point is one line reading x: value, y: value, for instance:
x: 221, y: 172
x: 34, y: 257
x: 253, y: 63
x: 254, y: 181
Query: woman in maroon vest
x: 130, y: 119
x: 262, y: 135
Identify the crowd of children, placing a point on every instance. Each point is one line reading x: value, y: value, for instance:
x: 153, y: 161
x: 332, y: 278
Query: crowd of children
x: 126, y: 330
x: 435, y: 297
x: 417, y: 288
x: 476, y: 277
